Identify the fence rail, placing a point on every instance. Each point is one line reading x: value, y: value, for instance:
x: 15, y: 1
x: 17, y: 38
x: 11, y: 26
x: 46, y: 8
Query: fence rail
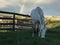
x: 22, y: 22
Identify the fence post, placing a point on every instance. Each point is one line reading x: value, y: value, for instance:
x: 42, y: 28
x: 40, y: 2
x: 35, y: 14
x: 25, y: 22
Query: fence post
x: 13, y: 22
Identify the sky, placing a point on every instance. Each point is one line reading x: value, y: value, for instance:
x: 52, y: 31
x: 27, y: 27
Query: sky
x: 49, y: 7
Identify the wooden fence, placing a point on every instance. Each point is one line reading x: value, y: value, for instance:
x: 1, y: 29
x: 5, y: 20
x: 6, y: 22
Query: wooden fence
x: 20, y: 23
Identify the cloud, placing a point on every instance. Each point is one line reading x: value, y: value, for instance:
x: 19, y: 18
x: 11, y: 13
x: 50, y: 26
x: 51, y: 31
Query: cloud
x: 43, y: 1
x: 10, y: 9
x: 5, y: 3
x: 34, y: 3
x: 49, y: 6
x: 27, y: 3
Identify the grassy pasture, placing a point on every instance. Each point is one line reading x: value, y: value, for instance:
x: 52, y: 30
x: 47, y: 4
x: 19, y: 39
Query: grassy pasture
x: 24, y: 37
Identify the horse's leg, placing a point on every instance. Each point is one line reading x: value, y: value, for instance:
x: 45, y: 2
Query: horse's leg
x: 39, y: 30
x: 43, y: 31
x: 34, y: 28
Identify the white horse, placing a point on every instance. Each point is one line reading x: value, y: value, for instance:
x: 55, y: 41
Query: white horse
x: 39, y: 25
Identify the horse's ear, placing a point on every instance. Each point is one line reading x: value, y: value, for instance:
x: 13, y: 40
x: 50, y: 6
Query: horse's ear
x: 38, y: 7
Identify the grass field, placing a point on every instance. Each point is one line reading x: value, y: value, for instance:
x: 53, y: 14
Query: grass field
x: 25, y: 38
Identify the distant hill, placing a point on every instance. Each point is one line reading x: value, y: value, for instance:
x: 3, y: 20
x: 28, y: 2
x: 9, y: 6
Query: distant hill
x: 53, y: 18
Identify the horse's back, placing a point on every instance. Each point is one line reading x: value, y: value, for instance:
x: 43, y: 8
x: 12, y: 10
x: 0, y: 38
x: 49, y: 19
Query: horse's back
x: 36, y: 14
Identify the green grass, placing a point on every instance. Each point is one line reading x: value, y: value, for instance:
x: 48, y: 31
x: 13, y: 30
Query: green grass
x: 24, y: 37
